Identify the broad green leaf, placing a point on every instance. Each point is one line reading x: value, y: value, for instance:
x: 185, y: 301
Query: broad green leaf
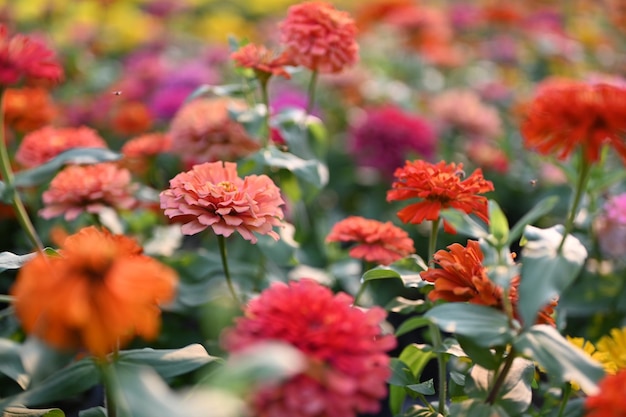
x: 11, y: 362
x: 45, y: 172
x: 403, y: 305
x: 401, y: 374
x: 406, y: 269
x: 169, y: 362
x: 412, y: 324
x: 562, y: 361
x: 540, y: 209
x: 282, y: 251
x: 498, y: 224
x: 380, y: 272
x: 485, y: 326
x: 464, y: 224
x: 29, y: 412
x: 424, y: 388
x: 238, y: 89
x: 546, y: 273
x: 415, y: 359
x: 252, y: 119
x: 515, y: 394
x: 478, y: 354
x: 476, y: 408
x: 93, y: 412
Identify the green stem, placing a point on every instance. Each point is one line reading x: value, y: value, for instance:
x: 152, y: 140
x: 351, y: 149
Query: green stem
x: 110, y: 386
x: 311, y: 92
x: 567, y: 390
x: 497, y: 386
x: 581, y: 185
x: 265, y: 137
x: 222, y: 244
x: 426, y: 403
x: 441, y: 366
x: 9, y: 179
x: 359, y: 293
x: 432, y: 242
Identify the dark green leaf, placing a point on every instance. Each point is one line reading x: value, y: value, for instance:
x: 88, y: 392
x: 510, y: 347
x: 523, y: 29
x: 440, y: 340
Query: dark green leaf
x: 478, y: 354
x: 45, y: 172
x: 485, y: 326
x: 498, y: 224
x: 562, y: 361
x: 476, y: 408
x: 546, y: 273
x: 412, y: 324
x: 380, y: 272
x: 464, y: 224
x: 11, y: 362
x: 424, y: 388
x: 416, y: 360
x: 29, y: 412
x: 401, y: 375
x: 540, y: 209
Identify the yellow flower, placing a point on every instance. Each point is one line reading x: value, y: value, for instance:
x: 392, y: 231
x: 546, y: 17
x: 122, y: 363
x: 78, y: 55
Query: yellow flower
x: 613, y: 350
x: 589, y: 349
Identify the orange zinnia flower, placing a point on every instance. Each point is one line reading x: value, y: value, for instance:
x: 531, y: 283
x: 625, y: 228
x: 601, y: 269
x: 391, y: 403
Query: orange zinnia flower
x: 212, y: 195
x: 21, y: 55
x: 610, y: 400
x: 440, y: 186
x: 100, y: 292
x: 131, y: 118
x: 264, y: 62
x: 41, y: 145
x: 320, y: 37
x: 377, y: 242
x: 27, y: 109
x: 87, y: 188
x: 566, y: 115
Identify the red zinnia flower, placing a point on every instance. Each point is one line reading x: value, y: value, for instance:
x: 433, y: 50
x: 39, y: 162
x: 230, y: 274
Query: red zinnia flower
x: 565, y: 115
x: 320, y: 37
x: 263, y: 61
x: 21, y: 55
x: 87, y: 188
x: 99, y: 293
x: 347, y: 363
x: 212, y: 195
x: 377, y: 242
x: 40, y: 146
x: 609, y: 400
x: 440, y: 186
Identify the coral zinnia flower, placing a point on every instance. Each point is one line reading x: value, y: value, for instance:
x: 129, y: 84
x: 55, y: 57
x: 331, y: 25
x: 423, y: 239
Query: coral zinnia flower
x: 440, y: 186
x: 21, y: 55
x: 99, y: 292
x: 41, y: 145
x: 612, y: 347
x: 264, y: 62
x: 566, y: 115
x: 139, y: 150
x: 377, y: 242
x: 87, y: 188
x: 202, y: 131
x: 27, y: 109
x: 344, y: 345
x: 212, y: 195
x: 386, y: 135
x: 320, y: 37
x: 609, y: 401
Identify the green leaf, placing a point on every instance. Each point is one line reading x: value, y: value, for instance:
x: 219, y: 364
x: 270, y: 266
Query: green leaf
x: 412, y: 324
x: 93, y: 412
x: 9, y: 260
x: 380, y: 272
x: 29, y: 412
x: 406, y: 269
x: 169, y: 362
x: 45, y: 172
x: 414, y: 359
x: 515, y: 395
x: 478, y: 354
x: 424, y: 388
x: 562, y: 361
x: 540, y: 209
x: 485, y: 326
x: 231, y: 90
x: 476, y: 408
x: 11, y: 362
x: 464, y: 224
x: 401, y: 374
x: 252, y: 119
x: 498, y: 224
x: 546, y: 273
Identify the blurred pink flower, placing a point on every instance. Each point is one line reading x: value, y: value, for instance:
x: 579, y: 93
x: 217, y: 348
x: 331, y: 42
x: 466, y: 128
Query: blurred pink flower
x: 87, y: 188
x: 212, y: 195
x: 40, y: 146
x: 320, y: 37
x: 139, y: 150
x: 345, y: 347
x: 615, y: 209
x: 610, y: 227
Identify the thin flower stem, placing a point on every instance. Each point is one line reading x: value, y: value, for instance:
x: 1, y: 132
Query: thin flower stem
x: 9, y: 179
x: 426, y: 403
x: 432, y: 242
x: 110, y: 385
x: 222, y: 244
x: 441, y: 367
x: 265, y: 137
x: 311, y: 92
x: 567, y: 390
x: 497, y: 386
x: 583, y: 178
x: 359, y: 293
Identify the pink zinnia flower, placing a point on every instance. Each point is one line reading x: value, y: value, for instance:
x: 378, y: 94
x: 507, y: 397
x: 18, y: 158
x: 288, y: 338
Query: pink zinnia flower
x: 386, y: 137
x: 378, y: 242
x: 320, y: 37
x: 21, y: 55
x: 202, y: 131
x: 87, y: 188
x: 345, y: 347
x: 212, y: 195
x: 41, y: 145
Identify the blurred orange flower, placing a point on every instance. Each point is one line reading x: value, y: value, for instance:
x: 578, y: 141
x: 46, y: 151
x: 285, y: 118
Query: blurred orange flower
x: 440, y: 186
x: 320, y: 37
x: 202, y: 131
x: 378, y: 242
x: 100, y: 292
x: 565, y: 115
x: 27, y: 109
x: 212, y: 195
x: 140, y: 149
x: 87, y: 188
x: 131, y: 118
x: 22, y: 55
x: 41, y: 145
x: 609, y: 400
x: 263, y: 61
